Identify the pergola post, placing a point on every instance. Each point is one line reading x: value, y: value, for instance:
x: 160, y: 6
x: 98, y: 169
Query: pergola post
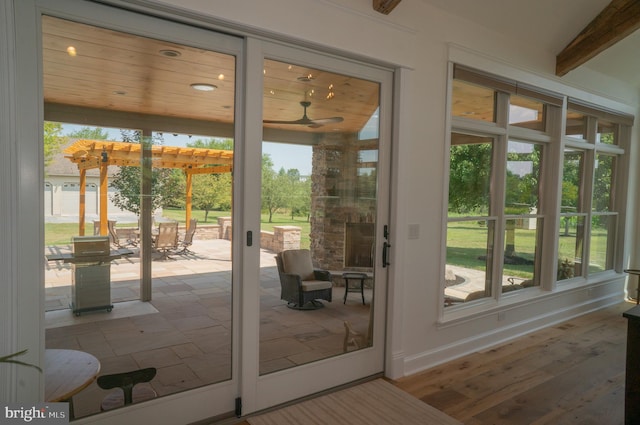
x: 189, y: 196
x: 104, y: 184
x: 82, y: 207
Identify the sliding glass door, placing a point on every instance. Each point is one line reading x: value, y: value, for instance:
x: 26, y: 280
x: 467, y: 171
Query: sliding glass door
x: 324, y: 211
x: 140, y: 120
x: 214, y: 169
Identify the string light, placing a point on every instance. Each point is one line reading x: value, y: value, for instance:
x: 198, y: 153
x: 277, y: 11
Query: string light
x: 331, y: 94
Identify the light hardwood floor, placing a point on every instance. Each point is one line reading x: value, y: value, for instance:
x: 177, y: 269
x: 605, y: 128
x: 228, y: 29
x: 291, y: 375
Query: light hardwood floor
x: 571, y: 373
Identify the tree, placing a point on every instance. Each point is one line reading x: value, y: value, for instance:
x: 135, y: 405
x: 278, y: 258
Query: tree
x: 298, y: 192
x: 174, y: 191
x: 127, y: 181
x: 469, y: 178
x: 211, y: 191
x: 53, y: 140
x: 212, y: 143
x: 92, y: 133
x: 273, y: 188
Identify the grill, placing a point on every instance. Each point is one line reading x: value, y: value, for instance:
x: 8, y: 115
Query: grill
x: 91, y: 277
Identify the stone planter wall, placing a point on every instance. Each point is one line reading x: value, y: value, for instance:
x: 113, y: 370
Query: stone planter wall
x: 281, y: 239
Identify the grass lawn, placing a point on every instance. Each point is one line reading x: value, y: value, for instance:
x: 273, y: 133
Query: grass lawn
x: 61, y: 233
x: 467, y: 244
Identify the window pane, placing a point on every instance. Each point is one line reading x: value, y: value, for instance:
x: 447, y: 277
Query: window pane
x: 572, y: 175
x: 320, y: 179
x: 523, y: 174
x: 472, y: 101
x: 526, y: 113
x: 601, y: 247
x: 367, y: 173
x: 603, y: 181
x: 576, y: 125
x: 606, y: 133
x: 521, y: 243
x: 570, y: 247
x: 470, y: 174
x: 469, y: 256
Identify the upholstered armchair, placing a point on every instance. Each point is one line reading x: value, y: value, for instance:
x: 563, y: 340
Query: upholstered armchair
x: 302, y: 286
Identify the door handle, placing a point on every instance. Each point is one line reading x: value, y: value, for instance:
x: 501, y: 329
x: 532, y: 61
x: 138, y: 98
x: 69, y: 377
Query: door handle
x: 385, y: 254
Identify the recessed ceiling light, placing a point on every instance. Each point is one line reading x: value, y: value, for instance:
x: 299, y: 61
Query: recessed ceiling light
x: 203, y: 86
x: 71, y: 51
x: 170, y: 53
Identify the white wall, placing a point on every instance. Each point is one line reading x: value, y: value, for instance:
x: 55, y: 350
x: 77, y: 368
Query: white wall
x: 420, y: 40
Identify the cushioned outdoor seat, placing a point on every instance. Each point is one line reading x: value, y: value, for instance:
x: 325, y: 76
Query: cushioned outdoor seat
x: 301, y: 284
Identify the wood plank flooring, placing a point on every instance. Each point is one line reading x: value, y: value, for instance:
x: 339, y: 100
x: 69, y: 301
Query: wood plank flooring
x: 571, y: 373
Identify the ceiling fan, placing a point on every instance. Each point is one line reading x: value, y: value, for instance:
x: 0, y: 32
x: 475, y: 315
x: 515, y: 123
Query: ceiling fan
x: 305, y: 120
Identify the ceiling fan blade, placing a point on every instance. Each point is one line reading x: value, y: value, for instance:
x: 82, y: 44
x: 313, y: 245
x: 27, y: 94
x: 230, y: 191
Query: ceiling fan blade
x: 305, y: 119
x: 330, y: 120
x: 301, y: 121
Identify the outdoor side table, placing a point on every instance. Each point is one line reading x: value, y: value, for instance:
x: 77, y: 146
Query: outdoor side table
x: 353, y: 276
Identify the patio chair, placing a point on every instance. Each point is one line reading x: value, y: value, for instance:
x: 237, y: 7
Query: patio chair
x: 167, y: 239
x: 301, y: 285
x: 113, y: 234
x: 129, y: 391
x: 188, y: 236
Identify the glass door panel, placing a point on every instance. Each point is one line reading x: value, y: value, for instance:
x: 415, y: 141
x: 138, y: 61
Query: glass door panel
x: 148, y: 129
x: 319, y: 214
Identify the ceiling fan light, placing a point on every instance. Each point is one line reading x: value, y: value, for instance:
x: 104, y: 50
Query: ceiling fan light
x: 203, y: 86
x: 170, y: 53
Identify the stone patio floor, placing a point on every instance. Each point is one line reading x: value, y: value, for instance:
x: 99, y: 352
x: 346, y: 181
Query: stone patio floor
x: 185, y: 331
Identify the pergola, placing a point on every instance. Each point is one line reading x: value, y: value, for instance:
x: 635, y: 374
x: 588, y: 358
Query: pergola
x: 100, y: 154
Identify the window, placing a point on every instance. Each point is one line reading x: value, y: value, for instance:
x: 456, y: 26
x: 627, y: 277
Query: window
x: 523, y: 226
x: 572, y: 215
x: 604, y: 216
x: 606, y: 132
x: 526, y: 113
x: 576, y: 125
x: 473, y: 102
x: 470, y: 232
x: 502, y: 189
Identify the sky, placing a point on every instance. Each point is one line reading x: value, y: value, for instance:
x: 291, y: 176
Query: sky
x: 283, y: 155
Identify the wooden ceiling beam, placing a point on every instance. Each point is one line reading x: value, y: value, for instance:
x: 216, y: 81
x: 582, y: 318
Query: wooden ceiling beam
x: 616, y: 21
x: 385, y: 6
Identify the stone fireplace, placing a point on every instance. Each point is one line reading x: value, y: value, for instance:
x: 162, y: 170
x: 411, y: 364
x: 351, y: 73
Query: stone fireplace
x: 343, y: 204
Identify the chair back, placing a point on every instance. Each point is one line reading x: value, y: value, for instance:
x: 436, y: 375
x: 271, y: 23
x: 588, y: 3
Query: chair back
x: 279, y: 262
x: 298, y: 261
x: 126, y: 381
x: 113, y: 235
x: 167, y: 235
x: 191, y: 230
